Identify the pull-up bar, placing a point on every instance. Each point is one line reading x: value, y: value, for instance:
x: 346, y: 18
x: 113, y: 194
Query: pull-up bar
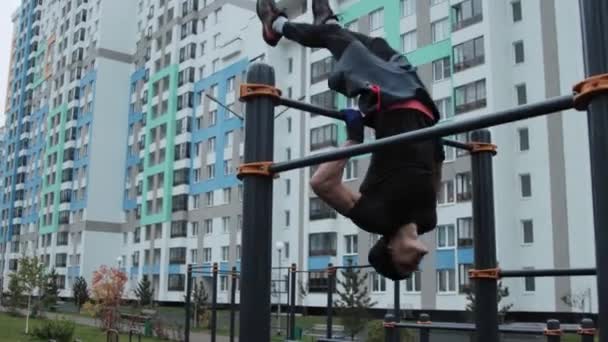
x: 460, y: 126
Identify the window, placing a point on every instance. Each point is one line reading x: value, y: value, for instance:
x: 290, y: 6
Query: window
x: 287, y: 187
x: 376, y: 20
x: 408, y: 7
x: 521, y: 93
x: 230, y: 83
x: 290, y: 65
x: 177, y: 256
x: 526, y: 185
x: 288, y: 153
x: 351, y: 170
x: 413, y: 284
x: 466, y: 13
x: 61, y: 259
x: 209, y: 198
x: 195, y: 229
x: 465, y: 232
x: 317, y: 282
x: 350, y: 244
x: 228, y: 167
x: 210, y: 171
x: 378, y: 283
x: 409, y: 41
x: 238, y: 252
x: 136, y: 235
x: 62, y: 239
x: 441, y: 69
x: 517, y: 12
x: 528, y: 231
x: 196, y: 199
x: 227, y: 192
x: 463, y: 277
x: 324, y: 136
x: 463, y: 187
x: 322, y: 244
x: 440, y: 30
x: 211, y: 145
x: 289, y: 125
x: 446, y: 281
x: 287, y: 218
x: 176, y: 282
x: 319, y: 210
x: 469, y: 54
x: 326, y: 99
x: 223, y: 283
x: 320, y: 70
x: 524, y: 139
x: 207, y: 255
x: 193, y: 256
x: 225, y: 224
x: 444, y: 106
x: 446, y: 192
x: 445, y: 236
x: 470, y: 96
x: 518, y: 49
x: 225, y: 253
x: 179, y: 229
x: 529, y: 282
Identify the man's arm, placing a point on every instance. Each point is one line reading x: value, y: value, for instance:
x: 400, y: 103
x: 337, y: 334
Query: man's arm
x: 327, y: 181
x: 327, y: 184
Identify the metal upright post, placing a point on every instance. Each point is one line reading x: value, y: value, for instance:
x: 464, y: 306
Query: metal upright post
x: 214, y: 304
x: 389, y: 328
x: 486, y: 301
x: 397, y: 308
x: 425, y: 333
x: 331, y: 281
x: 553, y: 331
x: 292, y: 302
x: 188, y: 295
x: 257, y: 211
x: 594, y: 20
x: 232, y: 303
x: 587, y: 330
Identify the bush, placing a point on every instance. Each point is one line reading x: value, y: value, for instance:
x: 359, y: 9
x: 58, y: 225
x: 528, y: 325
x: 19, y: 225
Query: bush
x: 59, y: 330
x: 375, y: 333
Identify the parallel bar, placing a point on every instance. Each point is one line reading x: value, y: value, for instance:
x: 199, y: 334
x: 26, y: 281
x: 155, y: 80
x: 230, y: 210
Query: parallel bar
x: 523, y: 112
x: 257, y: 212
x: 594, y: 20
x: 214, y: 304
x: 397, y: 307
x: 187, y: 304
x: 549, y: 273
x: 468, y: 327
x: 339, y: 116
x: 486, y: 300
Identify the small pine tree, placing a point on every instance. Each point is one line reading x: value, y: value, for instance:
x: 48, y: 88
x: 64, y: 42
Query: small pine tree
x: 50, y: 291
x: 353, y: 301
x: 81, y: 292
x: 144, y: 292
x: 15, y: 293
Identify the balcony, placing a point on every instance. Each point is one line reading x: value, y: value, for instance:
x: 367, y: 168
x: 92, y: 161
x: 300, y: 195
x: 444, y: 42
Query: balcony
x: 467, y: 107
x: 458, y: 25
x: 469, y: 63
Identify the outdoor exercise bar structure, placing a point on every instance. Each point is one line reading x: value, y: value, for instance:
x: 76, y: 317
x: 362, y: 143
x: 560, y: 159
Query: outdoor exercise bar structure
x: 259, y: 170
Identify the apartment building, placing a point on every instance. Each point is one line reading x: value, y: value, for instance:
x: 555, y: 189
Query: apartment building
x: 119, y: 98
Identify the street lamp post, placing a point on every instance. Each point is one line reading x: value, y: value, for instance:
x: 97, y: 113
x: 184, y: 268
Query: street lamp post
x: 279, y: 246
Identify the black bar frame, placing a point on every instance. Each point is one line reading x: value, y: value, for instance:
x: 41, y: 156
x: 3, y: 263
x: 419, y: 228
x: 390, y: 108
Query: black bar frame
x: 292, y: 302
x: 567, y: 272
x: 486, y: 299
x: 214, y: 304
x: 594, y: 20
x: 257, y: 211
x: 331, y: 285
x: 187, y: 304
x: 233, y: 303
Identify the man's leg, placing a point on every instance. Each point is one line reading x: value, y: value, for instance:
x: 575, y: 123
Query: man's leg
x: 329, y: 36
x: 379, y: 46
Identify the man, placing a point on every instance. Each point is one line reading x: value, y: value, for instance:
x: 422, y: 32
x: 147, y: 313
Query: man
x: 397, y: 198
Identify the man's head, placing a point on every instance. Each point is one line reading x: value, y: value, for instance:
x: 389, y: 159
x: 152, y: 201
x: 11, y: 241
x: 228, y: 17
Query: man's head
x: 398, y: 256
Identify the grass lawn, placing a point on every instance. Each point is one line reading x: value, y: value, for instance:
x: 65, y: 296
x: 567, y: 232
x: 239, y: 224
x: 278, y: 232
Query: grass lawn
x: 11, y: 329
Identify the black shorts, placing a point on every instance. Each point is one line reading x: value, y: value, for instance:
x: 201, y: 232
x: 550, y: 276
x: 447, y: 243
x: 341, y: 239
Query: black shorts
x: 400, y: 184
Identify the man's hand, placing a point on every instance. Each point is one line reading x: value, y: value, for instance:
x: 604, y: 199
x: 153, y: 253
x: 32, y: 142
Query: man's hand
x: 354, y: 125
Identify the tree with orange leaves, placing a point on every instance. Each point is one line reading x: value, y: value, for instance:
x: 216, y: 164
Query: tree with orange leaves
x: 107, y: 288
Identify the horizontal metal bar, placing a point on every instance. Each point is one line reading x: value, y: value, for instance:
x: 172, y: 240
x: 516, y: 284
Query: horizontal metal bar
x: 458, y: 126
x: 335, y: 267
x: 339, y: 116
x: 468, y: 327
x: 549, y: 273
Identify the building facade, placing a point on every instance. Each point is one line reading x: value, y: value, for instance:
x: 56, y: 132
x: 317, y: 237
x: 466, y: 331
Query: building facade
x: 124, y: 131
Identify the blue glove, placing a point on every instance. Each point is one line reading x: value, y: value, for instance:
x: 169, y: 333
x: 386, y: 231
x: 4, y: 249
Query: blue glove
x: 354, y: 124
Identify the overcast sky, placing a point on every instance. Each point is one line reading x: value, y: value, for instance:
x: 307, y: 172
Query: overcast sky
x: 6, y: 31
